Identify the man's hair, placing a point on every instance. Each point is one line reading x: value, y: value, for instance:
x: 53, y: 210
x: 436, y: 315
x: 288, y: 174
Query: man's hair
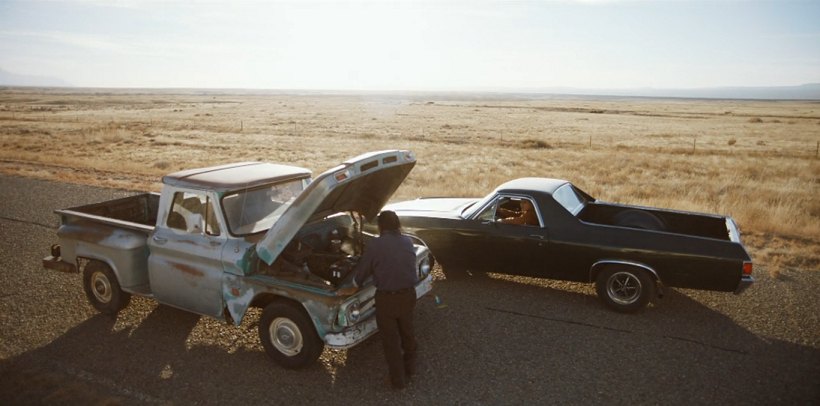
x: 388, y: 221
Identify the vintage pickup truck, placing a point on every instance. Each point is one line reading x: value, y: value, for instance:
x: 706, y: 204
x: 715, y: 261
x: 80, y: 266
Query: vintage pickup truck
x: 219, y: 240
x: 549, y: 228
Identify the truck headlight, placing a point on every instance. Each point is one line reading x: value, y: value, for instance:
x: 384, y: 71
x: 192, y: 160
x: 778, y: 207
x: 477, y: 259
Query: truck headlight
x: 352, y: 312
x: 424, y: 267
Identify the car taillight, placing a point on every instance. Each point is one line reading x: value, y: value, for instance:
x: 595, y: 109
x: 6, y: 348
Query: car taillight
x: 747, y: 268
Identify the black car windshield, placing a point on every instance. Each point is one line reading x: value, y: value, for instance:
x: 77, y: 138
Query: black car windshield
x: 568, y: 197
x: 255, y: 210
x: 472, y: 208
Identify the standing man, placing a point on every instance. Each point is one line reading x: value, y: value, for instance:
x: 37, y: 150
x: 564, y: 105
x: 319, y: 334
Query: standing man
x: 391, y: 260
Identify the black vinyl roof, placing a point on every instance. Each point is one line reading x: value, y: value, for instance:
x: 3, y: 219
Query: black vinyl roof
x: 525, y: 184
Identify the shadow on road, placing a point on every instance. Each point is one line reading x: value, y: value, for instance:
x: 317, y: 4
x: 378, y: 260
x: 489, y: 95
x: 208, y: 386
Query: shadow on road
x: 490, y: 340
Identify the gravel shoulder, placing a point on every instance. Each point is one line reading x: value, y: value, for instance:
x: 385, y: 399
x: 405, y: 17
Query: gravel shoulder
x: 492, y: 340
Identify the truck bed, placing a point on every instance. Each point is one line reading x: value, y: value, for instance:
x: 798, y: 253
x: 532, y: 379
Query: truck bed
x: 138, y: 212
x: 678, y: 222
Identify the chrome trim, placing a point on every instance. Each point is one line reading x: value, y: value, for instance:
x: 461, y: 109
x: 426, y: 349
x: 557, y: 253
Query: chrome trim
x: 734, y: 231
x: 622, y: 262
x: 353, y: 335
x: 744, y: 284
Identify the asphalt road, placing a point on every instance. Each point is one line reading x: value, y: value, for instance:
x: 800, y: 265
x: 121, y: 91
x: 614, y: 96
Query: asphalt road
x: 491, y: 340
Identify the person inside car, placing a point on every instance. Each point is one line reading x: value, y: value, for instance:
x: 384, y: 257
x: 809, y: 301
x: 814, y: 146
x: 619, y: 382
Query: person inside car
x: 524, y: 216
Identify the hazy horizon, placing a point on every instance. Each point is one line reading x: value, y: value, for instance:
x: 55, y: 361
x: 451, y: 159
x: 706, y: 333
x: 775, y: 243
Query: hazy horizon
x: 412, y: 45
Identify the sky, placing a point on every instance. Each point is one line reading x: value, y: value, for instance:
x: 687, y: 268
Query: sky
x: 413, y: 45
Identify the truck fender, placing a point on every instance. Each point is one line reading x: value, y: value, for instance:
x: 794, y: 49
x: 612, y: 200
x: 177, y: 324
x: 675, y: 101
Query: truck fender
x: 87, y: 256
x: 238, y: 296
x: 596, y: 268
x: 124, y: 251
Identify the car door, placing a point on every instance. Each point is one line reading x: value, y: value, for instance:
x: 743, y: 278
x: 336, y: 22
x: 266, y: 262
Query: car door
x: 185, y: 261
x: 504, y: 244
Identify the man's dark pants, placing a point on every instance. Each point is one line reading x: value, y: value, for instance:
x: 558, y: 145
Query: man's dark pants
x: 394, y: 316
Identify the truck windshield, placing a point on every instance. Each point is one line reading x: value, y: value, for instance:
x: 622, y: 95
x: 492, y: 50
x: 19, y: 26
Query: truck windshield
x: 255, y: 210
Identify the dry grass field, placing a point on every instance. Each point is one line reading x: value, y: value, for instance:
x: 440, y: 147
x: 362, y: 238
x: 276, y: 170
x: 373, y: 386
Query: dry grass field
x: 754, y: 160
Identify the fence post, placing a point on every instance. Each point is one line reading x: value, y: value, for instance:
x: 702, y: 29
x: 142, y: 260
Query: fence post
x: 694, y: 145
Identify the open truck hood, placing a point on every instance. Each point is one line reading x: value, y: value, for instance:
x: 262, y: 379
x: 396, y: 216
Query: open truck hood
x: 362, y: 184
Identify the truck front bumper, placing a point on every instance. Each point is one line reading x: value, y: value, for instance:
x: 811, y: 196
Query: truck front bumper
x: 351, y: 336
x: 744, y: 284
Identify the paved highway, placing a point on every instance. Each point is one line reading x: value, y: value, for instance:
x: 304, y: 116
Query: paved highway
x: 491, y: 340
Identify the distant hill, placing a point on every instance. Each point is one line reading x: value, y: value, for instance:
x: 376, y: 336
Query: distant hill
x: 13, y: 79
x: 809, y: 91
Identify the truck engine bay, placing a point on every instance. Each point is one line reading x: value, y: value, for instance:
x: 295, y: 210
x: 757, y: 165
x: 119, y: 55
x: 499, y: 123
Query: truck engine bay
x: 325, y: 251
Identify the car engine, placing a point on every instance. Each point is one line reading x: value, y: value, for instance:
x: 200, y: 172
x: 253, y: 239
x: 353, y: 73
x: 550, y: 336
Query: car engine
x: 328, y: 249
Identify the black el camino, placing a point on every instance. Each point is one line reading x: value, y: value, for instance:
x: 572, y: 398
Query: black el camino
x: 551, y: 229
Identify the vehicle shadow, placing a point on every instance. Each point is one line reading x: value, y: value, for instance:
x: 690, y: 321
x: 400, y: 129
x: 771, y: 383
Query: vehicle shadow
x: 169, y: 356
x: 555, y: 341
x: 488, y: 339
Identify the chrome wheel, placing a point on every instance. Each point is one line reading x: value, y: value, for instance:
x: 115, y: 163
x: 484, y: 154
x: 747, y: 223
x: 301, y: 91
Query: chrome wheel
x: 286, y: 336
x: 623, y: 288
x: 101, y: 287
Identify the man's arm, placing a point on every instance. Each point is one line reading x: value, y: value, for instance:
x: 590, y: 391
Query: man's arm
x: 363, y: 269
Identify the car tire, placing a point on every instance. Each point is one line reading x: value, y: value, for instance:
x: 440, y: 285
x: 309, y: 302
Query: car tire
x: 288, y: 335
x: 625, y: 289
x: 639, y: 219
x: 102, y: 288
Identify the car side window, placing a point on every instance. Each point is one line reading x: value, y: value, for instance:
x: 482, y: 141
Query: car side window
x: 511, y: 210
x: 190, y: 212
x: 517, y: 210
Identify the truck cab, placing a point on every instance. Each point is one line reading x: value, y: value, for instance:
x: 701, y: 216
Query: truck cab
x: 231, y: 237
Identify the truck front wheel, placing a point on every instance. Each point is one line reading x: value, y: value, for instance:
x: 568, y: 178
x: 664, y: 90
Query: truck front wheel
x: 103, y: 289
x: 624, y: 289
x: 288, y: 335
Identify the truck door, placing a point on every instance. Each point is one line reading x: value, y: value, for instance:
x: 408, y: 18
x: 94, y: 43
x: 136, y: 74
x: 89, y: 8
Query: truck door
x: 185, y: 263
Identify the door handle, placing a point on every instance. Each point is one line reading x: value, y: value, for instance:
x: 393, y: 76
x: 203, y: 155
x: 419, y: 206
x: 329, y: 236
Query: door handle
x: 159, y: 240
x: 538, y: 236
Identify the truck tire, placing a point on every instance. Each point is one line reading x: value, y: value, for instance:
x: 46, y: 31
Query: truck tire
x: 102, y: 288
x: 288, y: 335
x: 624, y: 289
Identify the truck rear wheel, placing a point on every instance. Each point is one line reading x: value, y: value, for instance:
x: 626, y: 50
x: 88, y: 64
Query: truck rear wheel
x: 103, y: 289
x: 288, y: 335
x: 624, y: 289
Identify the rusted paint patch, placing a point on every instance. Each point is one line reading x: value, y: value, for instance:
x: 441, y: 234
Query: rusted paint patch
x: 237, y: 296
x: 187, y: 269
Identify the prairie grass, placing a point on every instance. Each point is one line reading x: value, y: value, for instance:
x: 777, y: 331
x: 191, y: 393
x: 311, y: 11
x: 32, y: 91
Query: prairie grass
x: 756, y: 161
